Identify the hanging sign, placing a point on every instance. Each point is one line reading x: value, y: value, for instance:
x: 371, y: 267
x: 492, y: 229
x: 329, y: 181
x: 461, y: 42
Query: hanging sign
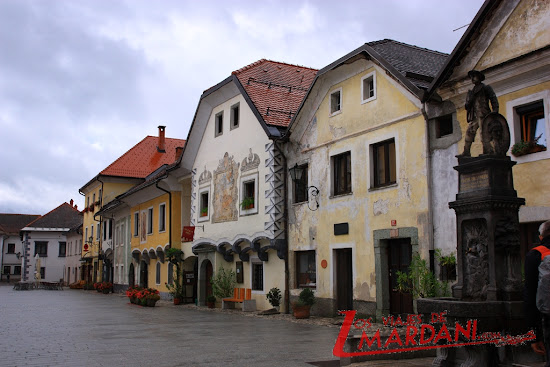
x: 188, y: 233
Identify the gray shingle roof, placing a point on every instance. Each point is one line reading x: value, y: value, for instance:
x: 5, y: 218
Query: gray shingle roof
x: 12, y: 223
x: 419, y: 65
x: 64, y: 216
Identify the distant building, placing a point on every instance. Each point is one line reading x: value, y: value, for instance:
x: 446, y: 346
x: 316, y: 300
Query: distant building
x: 11, y: 247
x: 45, y: 244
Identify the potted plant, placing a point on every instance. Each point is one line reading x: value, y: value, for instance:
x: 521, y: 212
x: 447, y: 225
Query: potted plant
x: 223, y: 283
x: 302, y: 307
x: 204, y: 212
x: 247, y: 203
x: 274, y: 297
x: 210, y: 301
x: 106, y: 287
x: 447, y: 265
x: 152, y: 299
x: 527, y: 147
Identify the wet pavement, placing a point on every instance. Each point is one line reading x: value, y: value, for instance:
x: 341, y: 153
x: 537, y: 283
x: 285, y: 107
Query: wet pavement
x: 86, y: 328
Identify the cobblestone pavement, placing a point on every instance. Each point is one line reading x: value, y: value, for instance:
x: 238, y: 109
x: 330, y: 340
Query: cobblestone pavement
x: 86, y: 328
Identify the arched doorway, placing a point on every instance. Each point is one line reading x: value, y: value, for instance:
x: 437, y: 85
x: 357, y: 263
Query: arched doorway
x: 143, y: 275
x: 131, y: 276
x: 205, y: 286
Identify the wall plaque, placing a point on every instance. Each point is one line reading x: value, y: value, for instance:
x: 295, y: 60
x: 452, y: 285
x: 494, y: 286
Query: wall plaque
x: 474, y: 181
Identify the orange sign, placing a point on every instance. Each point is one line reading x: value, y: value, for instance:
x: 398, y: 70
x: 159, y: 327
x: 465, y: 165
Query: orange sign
x: 188, y: 233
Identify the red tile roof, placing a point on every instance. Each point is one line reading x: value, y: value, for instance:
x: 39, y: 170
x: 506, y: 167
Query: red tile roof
x: 276, y: 89
x: 144, y: 158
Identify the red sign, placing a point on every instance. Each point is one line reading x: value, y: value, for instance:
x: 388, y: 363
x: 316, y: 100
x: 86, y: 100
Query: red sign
x: 85, y: 247
x: 393, y: 222
x: 188, y: 233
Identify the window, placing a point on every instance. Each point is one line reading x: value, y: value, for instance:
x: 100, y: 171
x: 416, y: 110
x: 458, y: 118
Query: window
x: 162, y: 217
x: 11, y: 248
x: 122, y: 234
x: 136, y: 224
x: 92, y: 235
x: 93, y: 200
x: 108, y: 229
x: 384, y: 163
x: 87, y: 202
x: 336, y: 102
x: 249, y: 195
x: 533, y: 124
x: 300, y: 186
x: 98, y: 232
x: 121, y: 275
x: 443, y: 126
x: 306, y: 274
x: 341, y: 164
x: 17, y: 270
x: 86, y: 234
x: 234, y: 123
x: 62, y: 249
x: 170, y: 273
x: 203, y: 204
x: 219, y: 124
x: 42, y: 273
x: 158, y: 274
x: 368, y: 87
x: 41, y: 248
x: 7, y: 269
x: 257, y: 276
x: 149, y: 220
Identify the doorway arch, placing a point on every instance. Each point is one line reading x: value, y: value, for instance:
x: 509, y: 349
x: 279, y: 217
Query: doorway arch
x: 205, y: 285
x: 143, y: 274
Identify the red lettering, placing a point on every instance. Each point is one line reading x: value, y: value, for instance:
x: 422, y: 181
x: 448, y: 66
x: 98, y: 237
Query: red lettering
x: 364, y: 337
x: 409, y: 337
x: 387, y: 320
x: 460, y: 330
x: 443, y: 331
x: 394, y: 338
x: 359, y: 327
x: 398, y: 321
x: 422, y: 330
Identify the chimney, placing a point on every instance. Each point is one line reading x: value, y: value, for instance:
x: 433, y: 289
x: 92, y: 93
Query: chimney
x: 179, y: 151
x: 76, y: 207
x: 71, y: 202
x: 161, y: 144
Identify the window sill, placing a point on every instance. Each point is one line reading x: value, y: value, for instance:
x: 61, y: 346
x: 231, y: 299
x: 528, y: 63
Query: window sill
x: 335, y: 113
x: 368, y: 100
x: 62, y: 256
x: 341, y: 195
x: 299, y: 203
x: 378, y: 188
x: 258, y: 291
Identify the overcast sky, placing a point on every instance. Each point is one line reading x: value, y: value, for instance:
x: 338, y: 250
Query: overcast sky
x: 81, y: 82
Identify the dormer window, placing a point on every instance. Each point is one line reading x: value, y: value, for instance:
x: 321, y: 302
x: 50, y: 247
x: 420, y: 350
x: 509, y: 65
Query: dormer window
x: 336, y: 102
x: 219, y: 124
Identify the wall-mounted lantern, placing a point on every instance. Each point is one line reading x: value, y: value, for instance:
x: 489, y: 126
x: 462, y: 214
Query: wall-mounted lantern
x: 296, y: 174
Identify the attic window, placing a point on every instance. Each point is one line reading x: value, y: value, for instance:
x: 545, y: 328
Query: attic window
x: 219, y: 124
x: 368, y: 88
x: 235, y: 116
x: 336, y: 102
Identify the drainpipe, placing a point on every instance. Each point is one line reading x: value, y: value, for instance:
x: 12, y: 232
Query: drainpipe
x: 100, y: 244
x: 430, y: 199
x: 169, y: 209
x: 85, y: 239
x: 285, y: 216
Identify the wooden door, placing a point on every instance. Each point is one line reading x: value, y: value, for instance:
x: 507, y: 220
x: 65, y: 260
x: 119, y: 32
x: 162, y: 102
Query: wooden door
x: 344, y: 279
x: 209, y: 272
x: 399, y: 259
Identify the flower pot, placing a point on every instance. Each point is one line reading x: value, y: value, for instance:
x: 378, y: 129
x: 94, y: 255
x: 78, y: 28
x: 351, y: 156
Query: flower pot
x: 106, y: 291
x: 301, y: 312
x: 143, y: 301
x: 151, y: 302
x: 177, y: 301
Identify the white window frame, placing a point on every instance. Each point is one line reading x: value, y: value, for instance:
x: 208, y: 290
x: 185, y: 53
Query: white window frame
x: 216, y: 133
x: 256, y: 260
x: 514, y: 123
x: 232, y: 120
x: 203, y: 190
x: 244, y: 179
x: 339, y: 111
x: 368, y: 76
x: 150, y: 218
x: 163, y: 206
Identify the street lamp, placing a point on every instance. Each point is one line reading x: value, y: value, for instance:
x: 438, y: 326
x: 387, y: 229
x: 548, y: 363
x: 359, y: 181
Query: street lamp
x: 296, y: 174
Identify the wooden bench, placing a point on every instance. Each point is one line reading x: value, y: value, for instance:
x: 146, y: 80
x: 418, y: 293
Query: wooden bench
x: 240, y: 295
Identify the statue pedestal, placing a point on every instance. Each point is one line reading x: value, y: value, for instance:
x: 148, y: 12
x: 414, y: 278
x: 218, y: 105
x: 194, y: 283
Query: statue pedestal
x: 489, y: 287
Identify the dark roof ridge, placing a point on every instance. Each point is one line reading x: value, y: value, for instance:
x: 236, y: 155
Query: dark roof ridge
x: 386, y: 40
x: 53, y: 210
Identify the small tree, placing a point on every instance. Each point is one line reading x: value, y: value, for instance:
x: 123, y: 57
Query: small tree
x: 274, y: 296
x: 420, y: 281
x: 175, y: 256
x: 223, y: 283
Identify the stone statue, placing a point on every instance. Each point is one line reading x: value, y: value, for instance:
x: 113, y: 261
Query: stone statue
x: 477, y: 107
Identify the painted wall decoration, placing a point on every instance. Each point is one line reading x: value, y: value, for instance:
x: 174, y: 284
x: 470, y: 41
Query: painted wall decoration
x: 143, y: 227
x: 205, y: 177
x: 251, y: 162
x: 226, y: 190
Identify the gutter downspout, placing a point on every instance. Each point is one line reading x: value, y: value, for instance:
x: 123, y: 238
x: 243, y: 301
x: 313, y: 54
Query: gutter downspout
x: 83, y: 242
x: 169, y: 209
x: 430, y: 198
x: 100, y: 245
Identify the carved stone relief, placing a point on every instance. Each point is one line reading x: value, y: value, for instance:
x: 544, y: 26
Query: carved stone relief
x: 225, y: 190
x: 507, y: 247
x: 205, y: 177
x: 475, y: 256
x: 250, y: 162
